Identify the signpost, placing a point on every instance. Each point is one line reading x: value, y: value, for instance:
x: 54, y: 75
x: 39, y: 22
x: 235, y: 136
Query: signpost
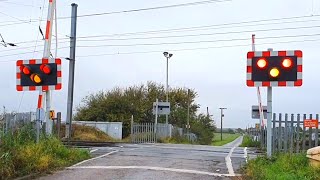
x: 161, y: 108
x: 255, y: 112
x: 273, y: 69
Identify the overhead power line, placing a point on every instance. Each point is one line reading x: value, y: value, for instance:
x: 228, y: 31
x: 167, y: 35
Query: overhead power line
x: 195, y: 35
x: 194, y: 42
x: 151, y: 8
x: 187, y: 49
x: 192, y: 49
x: 177, y: 43
x: 136, y: 10
x: 195, y: 28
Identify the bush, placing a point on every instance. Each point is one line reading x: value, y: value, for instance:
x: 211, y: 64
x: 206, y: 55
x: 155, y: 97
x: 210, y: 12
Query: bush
x: 281, y: 166
x: 20, y: 155
x: 249, y: 142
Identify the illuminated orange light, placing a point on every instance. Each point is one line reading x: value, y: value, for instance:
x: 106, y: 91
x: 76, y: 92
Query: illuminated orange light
x: 36, y: 78
x: 286, y: 63
x: 274, y: 72
x: 262, y: 63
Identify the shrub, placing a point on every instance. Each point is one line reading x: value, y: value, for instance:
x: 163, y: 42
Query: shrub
x: 20, y: 155
x: 281, y: 166
x: 249, y: 142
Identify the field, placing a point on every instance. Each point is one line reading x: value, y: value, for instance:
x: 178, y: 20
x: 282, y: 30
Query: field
x: 226, y: 138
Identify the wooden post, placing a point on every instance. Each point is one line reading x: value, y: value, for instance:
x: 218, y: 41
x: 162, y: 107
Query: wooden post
x: 58, y: 124
x: 298, y: 133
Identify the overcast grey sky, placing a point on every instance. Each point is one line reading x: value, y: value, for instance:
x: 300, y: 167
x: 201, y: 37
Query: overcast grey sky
x: 217, y: 74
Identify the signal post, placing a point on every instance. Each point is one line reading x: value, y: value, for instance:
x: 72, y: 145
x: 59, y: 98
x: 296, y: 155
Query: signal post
x: 273, y: 69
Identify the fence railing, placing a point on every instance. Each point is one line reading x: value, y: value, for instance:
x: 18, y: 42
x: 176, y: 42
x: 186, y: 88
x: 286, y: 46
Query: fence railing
x: 289, y: 133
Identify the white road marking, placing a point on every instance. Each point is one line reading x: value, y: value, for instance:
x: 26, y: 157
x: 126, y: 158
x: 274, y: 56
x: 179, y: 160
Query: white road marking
x: 229, y: 163
x: 107, y: 154
x: 245, y: 154
x: 94, y: 150
x: 153, y: 168
x: 228, y: 158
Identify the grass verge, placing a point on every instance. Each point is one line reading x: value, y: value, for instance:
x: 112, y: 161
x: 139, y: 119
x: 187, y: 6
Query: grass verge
x: 20, y: 155
x: 281, y: 166
x: 226, y: 138
x: 87, y: 133
x: 249, y: 142
x: 175, y: 140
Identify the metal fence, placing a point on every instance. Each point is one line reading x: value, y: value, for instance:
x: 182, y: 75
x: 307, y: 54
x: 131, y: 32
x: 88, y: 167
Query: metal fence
x: 146, y: 132
x: 11, y: 121
x: 288, y: 133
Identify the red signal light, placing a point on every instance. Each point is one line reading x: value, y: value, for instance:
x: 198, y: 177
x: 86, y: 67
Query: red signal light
x: 262, y: 63
x: 45, y: 68
x: 287, y: 63
x: 26, y: 70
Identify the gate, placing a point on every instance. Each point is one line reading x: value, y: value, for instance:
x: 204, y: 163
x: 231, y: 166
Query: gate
x: 143, y: 133
x: 146, y: 132
x: 289, y: 133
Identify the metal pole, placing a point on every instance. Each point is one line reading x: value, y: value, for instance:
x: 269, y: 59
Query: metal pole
x: 167, y: 82
x: 46, y: 54
x: 71, y: 69
x: 156, y: 118
x: 269, y: 116
x: 221, y: 124
x: 188, y: 115
x: 221, y: 120
x: 58, y: 124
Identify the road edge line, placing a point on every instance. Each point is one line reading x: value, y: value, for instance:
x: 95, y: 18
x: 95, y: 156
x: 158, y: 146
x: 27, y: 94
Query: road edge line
x: 87, y: 160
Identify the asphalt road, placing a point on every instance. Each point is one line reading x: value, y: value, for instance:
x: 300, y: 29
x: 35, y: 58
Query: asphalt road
x: 158, y: 161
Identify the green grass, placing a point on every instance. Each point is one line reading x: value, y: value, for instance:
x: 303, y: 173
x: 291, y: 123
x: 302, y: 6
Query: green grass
x: 226, y: 138
x: 248, y: 142
x: 20, y: 155
x: 282, y: 167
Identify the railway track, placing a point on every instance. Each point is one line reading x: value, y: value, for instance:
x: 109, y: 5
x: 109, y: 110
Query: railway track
x: 91, y: 144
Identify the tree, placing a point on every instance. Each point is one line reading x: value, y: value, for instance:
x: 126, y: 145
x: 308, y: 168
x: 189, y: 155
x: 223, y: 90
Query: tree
x: 203, y: 126
x: 119, y: 104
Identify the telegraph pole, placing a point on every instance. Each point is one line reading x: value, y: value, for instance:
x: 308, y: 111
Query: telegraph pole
x: 188, y: 115
x: 222, y: 115
x: 72, y: 61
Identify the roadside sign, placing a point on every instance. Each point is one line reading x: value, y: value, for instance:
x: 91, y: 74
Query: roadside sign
x: 274, y: 68
x: 163, y: 108
x: 310, y: 123
x: 38, y: 74
x: 52, y: 114
x: 255, y: 112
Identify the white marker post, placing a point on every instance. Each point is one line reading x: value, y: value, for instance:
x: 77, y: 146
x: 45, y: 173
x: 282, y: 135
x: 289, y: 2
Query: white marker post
x: 46, y: 54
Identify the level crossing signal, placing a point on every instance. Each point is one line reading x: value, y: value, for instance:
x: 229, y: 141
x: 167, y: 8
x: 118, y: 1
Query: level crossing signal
x: 274, y: 68
x: 40, y: 74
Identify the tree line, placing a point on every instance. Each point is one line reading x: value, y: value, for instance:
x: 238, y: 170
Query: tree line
x: 119, y: 104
